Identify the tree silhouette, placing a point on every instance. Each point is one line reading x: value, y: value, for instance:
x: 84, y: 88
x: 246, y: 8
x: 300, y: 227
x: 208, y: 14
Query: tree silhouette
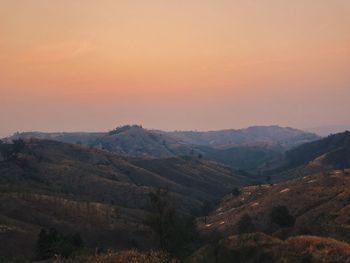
x: 280, y: 216
x: 245, y: 225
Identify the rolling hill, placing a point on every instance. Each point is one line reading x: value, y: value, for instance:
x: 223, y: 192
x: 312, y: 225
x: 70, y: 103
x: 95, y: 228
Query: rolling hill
x: 332, y: 152
x: 273, y: 137
x: 102, y: 195
x: 245, y: 149
x: 319, y: 203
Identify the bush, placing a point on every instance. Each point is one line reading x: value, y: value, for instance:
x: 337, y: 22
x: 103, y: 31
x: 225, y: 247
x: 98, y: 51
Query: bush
x: 174, y: 232
x: 245, y: 225
x: 133, y: 256
x: 236, y: 191
x: 51, y: 242
x: 8, y: 150
x: 280, y: 216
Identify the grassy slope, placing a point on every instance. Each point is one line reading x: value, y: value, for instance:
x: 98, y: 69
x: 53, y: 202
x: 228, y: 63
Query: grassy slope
x: 100, y: 194
x: 262, y: 248
x: 320, y: 203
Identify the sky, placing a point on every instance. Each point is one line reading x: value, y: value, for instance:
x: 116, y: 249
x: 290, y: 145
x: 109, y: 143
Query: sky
x: 88, y: 65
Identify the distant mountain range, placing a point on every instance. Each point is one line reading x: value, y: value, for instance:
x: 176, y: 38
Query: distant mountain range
x: 243, y: 149
x: 273, y: 137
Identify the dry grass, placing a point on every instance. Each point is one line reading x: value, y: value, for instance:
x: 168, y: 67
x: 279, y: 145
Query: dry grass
x: 258, y: 247
x: 129, y: 256
x: 320, y: 203
x: 322, y: 249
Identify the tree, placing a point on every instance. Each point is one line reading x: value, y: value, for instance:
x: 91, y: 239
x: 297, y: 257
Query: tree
x: 51, y: 242
x: 18, y: 146
x: 173, y: 231
x: 280, y: 216
x: 236, y: 191
x: 245, y: 225
x: 206, y: 208
x: 268, y: 179
x: 163, y: 215
x: 6, y: 150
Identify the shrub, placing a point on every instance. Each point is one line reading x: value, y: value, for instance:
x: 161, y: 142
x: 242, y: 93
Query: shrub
x: 51, y: 242
x: 245, y: 225
x: 174, y: 232
x: 236, y: 191
x: 280, y: 216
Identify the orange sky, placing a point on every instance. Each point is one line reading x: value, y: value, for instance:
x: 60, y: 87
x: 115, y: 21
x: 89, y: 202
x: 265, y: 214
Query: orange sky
x: 184, y: 64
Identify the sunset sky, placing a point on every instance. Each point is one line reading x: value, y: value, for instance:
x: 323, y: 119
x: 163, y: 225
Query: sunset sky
x: 74, y: 65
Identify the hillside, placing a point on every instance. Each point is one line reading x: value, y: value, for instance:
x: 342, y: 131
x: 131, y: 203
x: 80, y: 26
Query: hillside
x: 73, y: 188
x: 319, y: 204
x: 258, y: 247
x: 250, y: 248
x: 246, y: 149
x: 86, y: 138
x: 274, y: 137
x: 132, y: 140
x: 332, y: 152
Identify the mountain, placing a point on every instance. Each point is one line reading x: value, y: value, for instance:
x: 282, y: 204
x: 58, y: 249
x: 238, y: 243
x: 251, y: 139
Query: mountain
x: 316, y: 204
x: 137, y: 141
x: 262, y: 136
x: 102, y: 195
x: 328, y: 129
x: 86, y: 138
x: 132, y: 140
x: 245, y: 149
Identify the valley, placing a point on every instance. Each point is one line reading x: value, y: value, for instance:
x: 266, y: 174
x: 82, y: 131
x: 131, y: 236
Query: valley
x: 286, y: 196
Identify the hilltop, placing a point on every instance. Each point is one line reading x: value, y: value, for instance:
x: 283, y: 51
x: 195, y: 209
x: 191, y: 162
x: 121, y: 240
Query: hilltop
x: 246, y: 149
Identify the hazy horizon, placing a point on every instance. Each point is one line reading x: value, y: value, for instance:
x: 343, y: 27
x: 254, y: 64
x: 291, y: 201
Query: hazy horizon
x: 320, y: 130
x: 174, y: 65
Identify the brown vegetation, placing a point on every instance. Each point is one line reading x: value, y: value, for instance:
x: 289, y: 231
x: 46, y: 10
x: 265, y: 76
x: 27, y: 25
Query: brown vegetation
x: 258, y: 247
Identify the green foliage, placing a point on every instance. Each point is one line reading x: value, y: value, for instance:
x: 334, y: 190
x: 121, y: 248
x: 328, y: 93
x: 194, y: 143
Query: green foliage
x: 245, y: 225
x: 51, y: 242
x: 280, y: 216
